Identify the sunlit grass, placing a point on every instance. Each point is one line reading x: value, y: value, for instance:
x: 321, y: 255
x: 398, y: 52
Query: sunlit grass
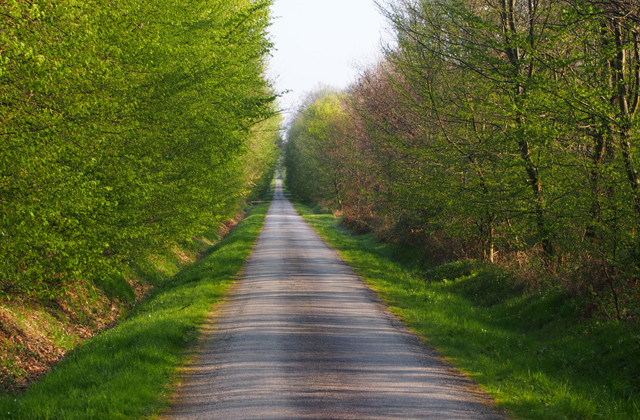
x: 532, y: 351
x: 126, y: 372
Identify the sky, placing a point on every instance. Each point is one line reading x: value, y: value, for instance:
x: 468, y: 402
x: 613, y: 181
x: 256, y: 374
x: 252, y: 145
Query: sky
x: 322, y: 43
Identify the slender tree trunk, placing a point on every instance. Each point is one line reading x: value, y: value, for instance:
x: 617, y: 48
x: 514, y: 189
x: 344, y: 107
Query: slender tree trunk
x: 627, y: 103
x: 597, y: 157
x: 534, y: 179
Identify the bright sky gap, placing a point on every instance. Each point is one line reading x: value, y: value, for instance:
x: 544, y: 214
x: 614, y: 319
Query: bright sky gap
x: 322, y: 43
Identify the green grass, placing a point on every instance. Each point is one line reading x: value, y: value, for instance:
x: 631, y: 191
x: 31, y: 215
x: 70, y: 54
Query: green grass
x: 115, y: 286
x: 532, y: 351
x: 126, y: 372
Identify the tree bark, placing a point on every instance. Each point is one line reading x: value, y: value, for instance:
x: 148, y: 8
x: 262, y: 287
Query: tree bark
x: 513, y: 52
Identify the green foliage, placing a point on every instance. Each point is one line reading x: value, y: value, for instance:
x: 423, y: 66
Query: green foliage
x: 505, y: 131
x: 533, y: 351
x: 124, y: 127
x: 116, y: 286
x: 311, y: 154
x: 126, y: 372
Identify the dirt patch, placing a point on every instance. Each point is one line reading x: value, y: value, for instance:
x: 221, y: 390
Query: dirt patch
x: 25, y: 350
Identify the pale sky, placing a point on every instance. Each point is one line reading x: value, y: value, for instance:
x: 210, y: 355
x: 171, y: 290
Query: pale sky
x: 322, y: 43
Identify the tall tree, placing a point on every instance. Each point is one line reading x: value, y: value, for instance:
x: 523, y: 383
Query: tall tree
x: 123, y: 128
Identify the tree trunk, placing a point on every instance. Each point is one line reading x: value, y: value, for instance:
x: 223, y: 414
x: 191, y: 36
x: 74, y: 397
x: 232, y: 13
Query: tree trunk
x: 514, y: 55
x: 627, y: 103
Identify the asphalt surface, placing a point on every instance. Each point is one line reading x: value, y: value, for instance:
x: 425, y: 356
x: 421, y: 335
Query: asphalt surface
x: 302, y: 337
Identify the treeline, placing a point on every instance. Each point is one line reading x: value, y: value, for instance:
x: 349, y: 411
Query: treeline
x: 125, y: 126
x: 503, y: 130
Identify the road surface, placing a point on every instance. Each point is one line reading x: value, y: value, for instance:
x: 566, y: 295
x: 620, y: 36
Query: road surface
x: 302, y: 337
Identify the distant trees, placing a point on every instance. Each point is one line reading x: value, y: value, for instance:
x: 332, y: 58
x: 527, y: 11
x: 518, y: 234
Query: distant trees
x: 125, y: 126
x: 505, y: 130
x: 314, y: 152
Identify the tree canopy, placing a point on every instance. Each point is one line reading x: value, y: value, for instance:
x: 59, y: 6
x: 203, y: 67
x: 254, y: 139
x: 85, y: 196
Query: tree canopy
x: 504, y: 130
x: 126, y: 125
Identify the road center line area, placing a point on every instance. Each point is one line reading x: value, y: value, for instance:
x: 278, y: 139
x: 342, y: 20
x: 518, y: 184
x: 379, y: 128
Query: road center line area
x: 302, y: 337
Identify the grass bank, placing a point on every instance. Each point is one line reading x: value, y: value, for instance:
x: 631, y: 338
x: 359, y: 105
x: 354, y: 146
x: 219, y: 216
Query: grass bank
x: 36, y: 333
x: 126, y: 372
x: 531, y: 350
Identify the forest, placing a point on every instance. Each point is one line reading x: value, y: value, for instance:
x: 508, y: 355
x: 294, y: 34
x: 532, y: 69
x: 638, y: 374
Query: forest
x: 504, y: 131
x: 129, y: 130
x: 126, y: 127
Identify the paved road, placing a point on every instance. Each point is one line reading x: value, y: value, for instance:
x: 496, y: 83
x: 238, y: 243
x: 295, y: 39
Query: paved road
x: 301, y: 337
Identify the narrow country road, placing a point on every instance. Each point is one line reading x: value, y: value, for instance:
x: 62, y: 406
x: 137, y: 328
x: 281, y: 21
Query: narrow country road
x: 302, y: 337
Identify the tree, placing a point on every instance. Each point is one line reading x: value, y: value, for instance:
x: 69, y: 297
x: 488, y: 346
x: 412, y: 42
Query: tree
x: 125, y: 128
x: 314, y: 151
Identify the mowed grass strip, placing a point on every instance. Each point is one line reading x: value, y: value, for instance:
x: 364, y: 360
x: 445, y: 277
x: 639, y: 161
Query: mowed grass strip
x: 532, y: 351
x: 127, y: 372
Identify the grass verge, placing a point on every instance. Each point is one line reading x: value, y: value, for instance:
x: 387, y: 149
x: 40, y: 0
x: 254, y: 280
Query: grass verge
x: 125, y: 372
x: 531, y: 350
x: 36, y: 333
